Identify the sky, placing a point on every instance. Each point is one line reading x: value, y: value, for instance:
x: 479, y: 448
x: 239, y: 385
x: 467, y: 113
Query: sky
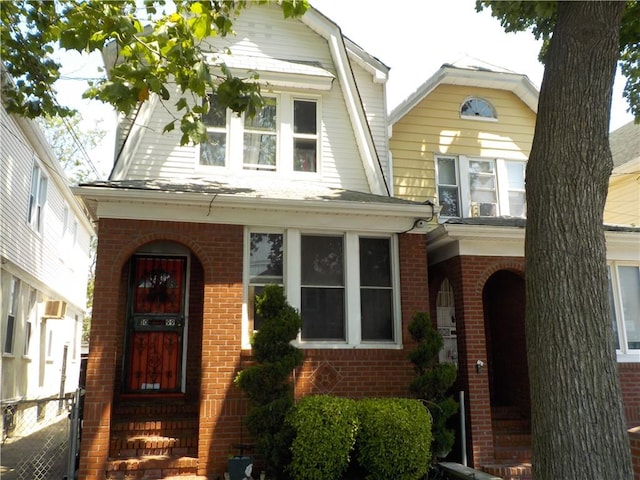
x: 412, y: 37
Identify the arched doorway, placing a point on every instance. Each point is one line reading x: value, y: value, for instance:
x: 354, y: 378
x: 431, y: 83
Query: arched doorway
x: 504, y: 316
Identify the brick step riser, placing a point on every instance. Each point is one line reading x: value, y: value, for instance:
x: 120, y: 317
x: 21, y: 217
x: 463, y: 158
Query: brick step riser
x: 510, y: 473
x: 178, y: 465
x: 136, y: 445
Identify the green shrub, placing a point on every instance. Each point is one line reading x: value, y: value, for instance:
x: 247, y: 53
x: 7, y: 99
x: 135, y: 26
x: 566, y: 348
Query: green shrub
x: 432, y: 381
x: 267, y: 384
x: 394, y: 438
x: 325, y: 431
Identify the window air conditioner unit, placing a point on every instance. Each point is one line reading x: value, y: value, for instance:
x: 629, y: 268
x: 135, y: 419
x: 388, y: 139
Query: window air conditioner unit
x: 55, y: 309
x: 487, y: 209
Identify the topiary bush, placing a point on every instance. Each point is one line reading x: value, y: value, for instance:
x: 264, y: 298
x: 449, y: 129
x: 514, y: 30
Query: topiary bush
x: 432, y: 381
x: 267, y: 384
x: 325, y: 432
x: 394, y: 438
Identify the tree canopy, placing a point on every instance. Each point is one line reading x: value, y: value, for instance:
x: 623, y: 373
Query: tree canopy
x: 540, y: 18
x: 158, y: 43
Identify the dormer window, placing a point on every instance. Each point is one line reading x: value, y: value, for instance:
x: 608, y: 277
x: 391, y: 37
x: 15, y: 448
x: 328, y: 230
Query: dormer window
x: 281, y: 137
x: 478, y: 108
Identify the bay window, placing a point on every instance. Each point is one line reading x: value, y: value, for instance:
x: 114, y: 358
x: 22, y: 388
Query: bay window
x: 480, y: 187
x: 343, y: 284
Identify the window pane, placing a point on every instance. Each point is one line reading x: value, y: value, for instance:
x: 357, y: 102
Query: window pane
x: 304, y: 155
x: 612, y: 311
x: 480, y: 166
x: 515, y: 173
x: 265, y: 262
x: 322, y: 313
x: 217, y: 115
x: 8, y: 336
x: 264, y: 119
x: 260, y: 151
x: 304, y: 117
x: 630, y: 292
x: 447, y: 171
x: 322, y: 295
x: 448, y: 199
x: 322, y: 260
x: 214, y: 150
x: 375, y: 262
x: 516, y: 204
x: 376, y: 311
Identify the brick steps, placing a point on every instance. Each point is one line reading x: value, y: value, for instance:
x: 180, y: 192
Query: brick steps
x: 154, y: 440
x: 512, y: 445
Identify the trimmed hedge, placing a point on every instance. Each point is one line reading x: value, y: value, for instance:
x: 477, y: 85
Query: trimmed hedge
x: 325, y: 429
x: 394, y: 440
x: 391, y: 438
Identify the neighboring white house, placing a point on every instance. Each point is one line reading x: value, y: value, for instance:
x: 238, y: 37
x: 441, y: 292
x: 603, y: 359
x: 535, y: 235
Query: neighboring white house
x: 45, y: 257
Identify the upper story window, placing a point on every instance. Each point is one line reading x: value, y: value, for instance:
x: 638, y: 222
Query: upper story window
x: 343, y: 284
x: 624, y: 298
x: 480, y: 187
x: 37, y: 198
x: 281, y: 137
x: 478, y: 108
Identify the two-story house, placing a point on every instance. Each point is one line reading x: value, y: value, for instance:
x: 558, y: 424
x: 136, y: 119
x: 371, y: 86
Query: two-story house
x: 300, y: 196
x: 462, y: 140
x: 45, y: 255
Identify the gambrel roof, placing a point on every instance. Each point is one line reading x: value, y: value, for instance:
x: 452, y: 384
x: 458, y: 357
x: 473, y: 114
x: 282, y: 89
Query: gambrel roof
x: 473, y: 75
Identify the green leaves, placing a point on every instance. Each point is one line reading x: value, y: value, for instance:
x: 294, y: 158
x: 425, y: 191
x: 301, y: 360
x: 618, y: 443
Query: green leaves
x: 149, y: 50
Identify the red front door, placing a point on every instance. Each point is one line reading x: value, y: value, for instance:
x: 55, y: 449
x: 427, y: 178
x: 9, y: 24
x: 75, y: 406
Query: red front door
x: 155, y: 325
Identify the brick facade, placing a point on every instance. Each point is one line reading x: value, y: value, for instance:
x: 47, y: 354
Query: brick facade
x: 214, y: 354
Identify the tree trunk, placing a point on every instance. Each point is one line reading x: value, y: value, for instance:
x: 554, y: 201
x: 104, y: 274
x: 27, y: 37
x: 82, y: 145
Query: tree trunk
x: 578, y: 424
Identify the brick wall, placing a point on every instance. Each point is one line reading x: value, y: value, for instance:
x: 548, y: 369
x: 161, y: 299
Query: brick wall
x: 468, y: 276
x: 215, y: 354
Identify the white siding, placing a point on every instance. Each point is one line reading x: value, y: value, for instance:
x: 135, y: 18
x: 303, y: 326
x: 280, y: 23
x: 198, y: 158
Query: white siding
x: 49, y: 263
x: 374, y: 102
x: 261, y: 32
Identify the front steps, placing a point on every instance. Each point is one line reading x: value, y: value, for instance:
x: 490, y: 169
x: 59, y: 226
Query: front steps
x: 512, y: 445
x: 154, y: 440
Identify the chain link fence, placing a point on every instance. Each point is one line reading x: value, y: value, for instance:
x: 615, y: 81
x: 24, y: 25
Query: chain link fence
x: 40, y: 438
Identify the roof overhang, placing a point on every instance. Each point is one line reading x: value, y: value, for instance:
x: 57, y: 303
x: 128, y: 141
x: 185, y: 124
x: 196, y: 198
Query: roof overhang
x: 238, y: 209
x: 450, y: 240
x: 519, y: 84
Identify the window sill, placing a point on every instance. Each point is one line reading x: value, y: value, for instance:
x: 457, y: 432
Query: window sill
x: 477, y: 117
x: 347, y: 346
x: 628, y: 357
x: 8, y: 355
x: 27, y: 358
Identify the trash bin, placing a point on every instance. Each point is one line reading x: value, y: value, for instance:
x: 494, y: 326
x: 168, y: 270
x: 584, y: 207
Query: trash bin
x: 237, y: 467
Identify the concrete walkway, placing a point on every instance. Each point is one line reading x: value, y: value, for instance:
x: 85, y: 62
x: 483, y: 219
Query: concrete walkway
x: 42, y: 455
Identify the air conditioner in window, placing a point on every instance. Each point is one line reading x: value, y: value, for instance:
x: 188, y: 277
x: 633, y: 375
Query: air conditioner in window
x: 487, y: 209
x: 55, y: 309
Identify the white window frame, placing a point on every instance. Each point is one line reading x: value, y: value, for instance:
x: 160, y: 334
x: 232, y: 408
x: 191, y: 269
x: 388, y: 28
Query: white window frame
x: 624, y: 353
x: 235, y: 128
x: 464, y: 188
x: 11, y: 322
x: 37, y: 198
x: 493, y: 118
x: 292, y: 287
